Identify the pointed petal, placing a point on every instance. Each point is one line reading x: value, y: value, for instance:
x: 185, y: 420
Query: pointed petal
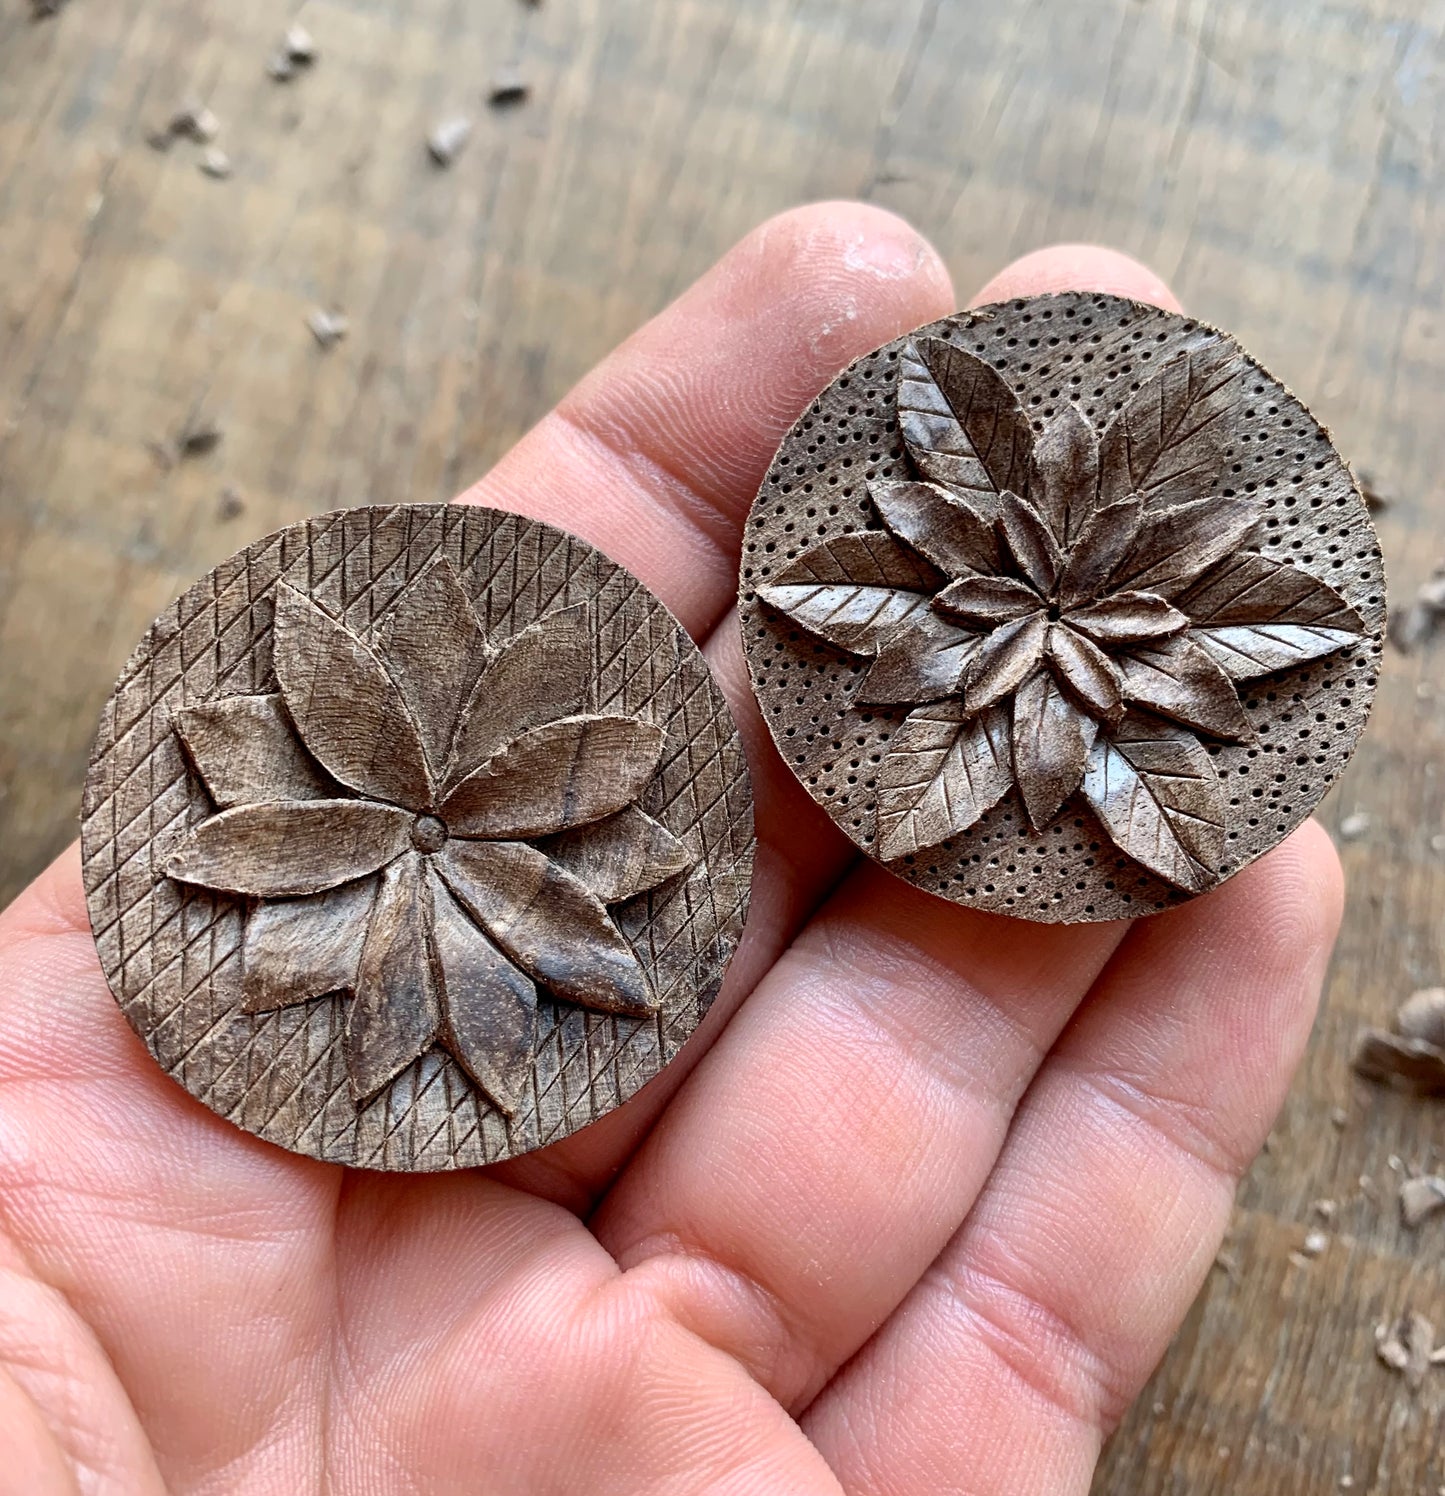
x: 1005, y: 661
x: 434, y: 648
x: 537, y: 676
x: 1176, y: 545
x: 290, y: 847
x: 943, y: 771
x: 345, y: 706
x: 1178, y: 679
x: 247, y: 751
x: 1157, y: 793
x: 1167, y: 443
x: 924, y: 661
x: 550, y: 923
x: 489, y: 1006
x: 1085, y: 672
x: 988, y: 601
x: 1051, y: 742
x: 625, y: 854
x: 948, y: 532
x: 1245, y: 651
x: 854, y: 591
x: 556, y: 776
x: 395, y: 1015
x: 1033, y: 547
x: 297, y: 949
x: 1063, y: 482
x: 1127, y: 617
x: 1108, y: 536
x: 961, y: 423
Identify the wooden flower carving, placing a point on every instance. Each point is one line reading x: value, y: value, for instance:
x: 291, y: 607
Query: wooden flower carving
x: 432, y: 824
x: 1064, y: 611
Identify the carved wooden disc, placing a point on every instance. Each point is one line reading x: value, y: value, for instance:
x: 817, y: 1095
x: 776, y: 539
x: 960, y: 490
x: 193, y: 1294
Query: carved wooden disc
x: 1062, y: 607
x: 416, y: 837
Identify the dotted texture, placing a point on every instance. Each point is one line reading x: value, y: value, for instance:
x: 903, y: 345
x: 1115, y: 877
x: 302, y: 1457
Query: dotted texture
x: 171, y: 952
x: 1093, y: 350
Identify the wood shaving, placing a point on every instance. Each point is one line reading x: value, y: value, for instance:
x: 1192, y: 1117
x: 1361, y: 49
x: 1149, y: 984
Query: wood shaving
x: 446, y: 141
x: 508, y: 87
x: 1407, y: 1346
x: 41, y: 9
x: 1375, y: 498
x: 298, y: 50
x: 198, y: 437
x: 232, y: 502
x: 1421, y: 1198
x: 1326, y: 1210
x: 328, y: 328
x: 194, y: 122
x: 1411, y: 1064
x: 1354, y: 826
x: 1409, y: 629
x: 1422, y: 1016
x: 216, y: 163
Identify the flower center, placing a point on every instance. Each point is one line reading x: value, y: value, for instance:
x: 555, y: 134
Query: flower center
x: 428, y: 834
x: 1055, y: 612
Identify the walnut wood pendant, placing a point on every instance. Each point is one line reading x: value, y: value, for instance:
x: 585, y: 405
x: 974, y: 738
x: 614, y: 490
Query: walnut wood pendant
x: 416, y: 837
x: 1062, y: 607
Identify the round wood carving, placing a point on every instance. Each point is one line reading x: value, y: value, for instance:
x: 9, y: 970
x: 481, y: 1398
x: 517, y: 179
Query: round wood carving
x: 1062, y: 607
x: 416, y: 837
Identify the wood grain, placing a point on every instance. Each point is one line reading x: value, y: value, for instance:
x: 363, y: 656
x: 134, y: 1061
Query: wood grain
x: 1278, y: 160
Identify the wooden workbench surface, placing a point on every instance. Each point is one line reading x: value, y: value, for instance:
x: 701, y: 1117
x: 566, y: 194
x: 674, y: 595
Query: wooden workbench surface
x: 1279, y: 161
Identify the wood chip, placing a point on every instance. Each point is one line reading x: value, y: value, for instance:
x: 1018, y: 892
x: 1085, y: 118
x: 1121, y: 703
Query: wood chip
x: 1416, y: 623
x: 1411, y: 1064
x: 1407, y: 1346
x: 1421, y: 1198
x: 41, y: 9
x: 1422, y: 1016
x: 1375, y: 498
x: 508, y: 87
x: 446, y: 141
x: 298, y: 50
x: 216, y: 163
x: 194, y: 122
x: 1315, y: 1243
x: 1326, y: 1210
x: 198, y: 437
x: 1354, y: 826
x: 231, y: 503
x: 328, y: 328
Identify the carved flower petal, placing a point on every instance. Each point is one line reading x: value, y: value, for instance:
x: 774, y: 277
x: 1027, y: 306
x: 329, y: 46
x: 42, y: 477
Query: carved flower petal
x: 537, y: 676
x: 1051, y: 742
x: 988, y: 601
x: 948, y: 532
x: 1107, y: 537
x: 1176, y: 545
x: 1035, y: 552
x: 290, y: 847
x: 345, y: 705
x: 556, y: 776
x: 924, y: 661
x: 489, y: 1005
x: 1063, y: 481
x: 1126, y: 618
x: 1178, y: 679
x: 854, y: 591
x: 1085, y: 672
x: 395, y: 1015
x: 550, y: 923
x: 246, y: 750
x: 1004, y: 661
x: 961, y: 423
x: 1156, y: 791
x: 944, y: 770
x: 625, y: 854
x: 297, y: 949
x: 434, y: 648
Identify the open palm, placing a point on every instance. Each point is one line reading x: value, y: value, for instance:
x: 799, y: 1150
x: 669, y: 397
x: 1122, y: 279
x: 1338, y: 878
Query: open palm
x: 921, y: 1218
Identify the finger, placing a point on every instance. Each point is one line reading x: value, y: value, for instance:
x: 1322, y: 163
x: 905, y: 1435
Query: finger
x: 1056, y: 1300
x: 656, y: 456
x: 834, y: 1139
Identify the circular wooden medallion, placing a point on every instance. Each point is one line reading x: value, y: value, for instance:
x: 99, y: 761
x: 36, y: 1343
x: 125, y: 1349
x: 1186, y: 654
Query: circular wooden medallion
x: 1062, y: 607
x: 416, y: 837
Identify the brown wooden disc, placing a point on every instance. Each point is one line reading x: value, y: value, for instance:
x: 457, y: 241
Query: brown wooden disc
x: 1062, y: 607
x: 416, y: 837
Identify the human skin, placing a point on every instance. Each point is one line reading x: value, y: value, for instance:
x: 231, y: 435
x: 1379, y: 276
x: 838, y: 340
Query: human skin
x: 916, y: 1211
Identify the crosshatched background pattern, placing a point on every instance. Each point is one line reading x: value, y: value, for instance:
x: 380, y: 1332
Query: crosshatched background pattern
x: 172, y: 952
x: 1093, y: 350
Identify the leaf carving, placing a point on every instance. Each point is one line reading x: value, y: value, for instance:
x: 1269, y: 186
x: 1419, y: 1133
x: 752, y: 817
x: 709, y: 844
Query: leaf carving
x: 1178, y: 679
x: 947, y: 531
x: 295, y: 949
x: 925, y: 660
x: 1004, y: 661
x: 943, y: 771
x: 854, y: 591
x: 988, y: 601
x: 1157, y: 794
x: 1051, y: 742
x: 1126, y: 618
x: 1033, y: 547
x: 247, y: 751
x: 1167, y: 443
x: 626, y: 854
x: 1177, y: 545
x: 1063, y: 482
x: 960, y: 421
x: 1085, y: 672
x: 1106, y: 539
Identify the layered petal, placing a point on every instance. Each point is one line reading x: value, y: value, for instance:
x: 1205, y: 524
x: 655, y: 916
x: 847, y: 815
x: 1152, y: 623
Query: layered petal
x: 557, y: 776
x: 537, y: 676
x: 290, y: 847
x: 246, y: 750
x: 1178, y: 679
x: 489, y: 1005
x: 1175, y: 546
x: 948, y: 532
x: 1051, y: 742
x: 1004, y: 661
x: 987, y: 602
x: 434, y: 648
x: 297, y: 949
x: 1107, y: 537
x: 1034, y: 549
x: 624, y: 855
x: 1085, y: 672
x: 1127, y: 617
x: 550, y: 923
x: 395, y: 1015
x: 925, y: 660
x: 347, y: 708
x: 1063, y: 484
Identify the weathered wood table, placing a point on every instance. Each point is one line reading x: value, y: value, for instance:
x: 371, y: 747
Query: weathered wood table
x: 1279, y: 161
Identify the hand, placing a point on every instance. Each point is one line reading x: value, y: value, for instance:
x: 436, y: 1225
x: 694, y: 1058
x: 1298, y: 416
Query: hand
x: 921, y: 1218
